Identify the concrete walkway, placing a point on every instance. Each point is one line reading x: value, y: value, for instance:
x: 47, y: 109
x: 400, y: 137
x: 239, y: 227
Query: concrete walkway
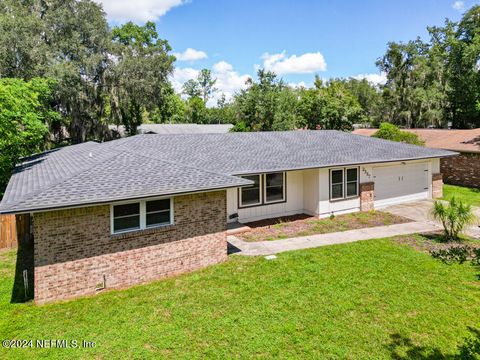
x: 420, y: 211
x: 305, y: 242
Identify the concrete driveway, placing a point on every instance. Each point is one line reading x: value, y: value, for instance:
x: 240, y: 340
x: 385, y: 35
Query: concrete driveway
x: 420, y: 211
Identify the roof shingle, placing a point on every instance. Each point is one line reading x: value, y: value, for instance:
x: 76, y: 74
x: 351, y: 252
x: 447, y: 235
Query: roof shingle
x: 155, y: 165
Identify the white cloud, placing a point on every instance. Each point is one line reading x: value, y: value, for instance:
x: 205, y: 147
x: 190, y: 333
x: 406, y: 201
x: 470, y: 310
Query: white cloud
x: 190, y: 55
x: 303, y: 64
x: 375, y: 79
x: 300, y: 84
x: 458, y: 5
x: 228, y: 82
x: 137, y: 10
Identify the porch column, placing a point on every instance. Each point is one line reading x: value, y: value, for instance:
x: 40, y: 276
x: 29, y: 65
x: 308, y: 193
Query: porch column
x: 437, y: 185
x: 367, y: 199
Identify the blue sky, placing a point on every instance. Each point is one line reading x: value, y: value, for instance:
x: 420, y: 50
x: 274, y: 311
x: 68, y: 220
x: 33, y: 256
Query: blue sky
x: 297, y: 39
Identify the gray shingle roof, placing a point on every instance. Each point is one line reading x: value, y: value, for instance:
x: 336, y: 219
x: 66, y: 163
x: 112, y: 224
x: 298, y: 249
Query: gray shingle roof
x: 151, y: 165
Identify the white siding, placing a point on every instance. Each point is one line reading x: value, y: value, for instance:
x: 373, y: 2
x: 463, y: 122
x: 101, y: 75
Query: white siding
x: 310, y: 191
x: 328, y: 207
x: 293, y: 205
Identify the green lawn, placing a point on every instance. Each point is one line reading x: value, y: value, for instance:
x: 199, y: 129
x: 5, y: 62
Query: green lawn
x: 468, y: 195
x: 372, y: 299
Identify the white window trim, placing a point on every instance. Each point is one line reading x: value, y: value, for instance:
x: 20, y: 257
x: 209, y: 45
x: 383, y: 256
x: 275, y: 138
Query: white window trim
x: 260, y: 190
x: 143, y: 215
x: 283, y: 188
x: 346, y: 182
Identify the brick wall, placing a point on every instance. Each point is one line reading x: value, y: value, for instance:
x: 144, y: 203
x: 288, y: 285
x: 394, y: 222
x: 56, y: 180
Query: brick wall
x: 437, y: 186
x: 461, y: 170
x: 74, y: 250
x: 367, y: 198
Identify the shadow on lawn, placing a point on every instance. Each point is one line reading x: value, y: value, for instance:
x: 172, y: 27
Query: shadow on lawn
x: 24, y: 262
x: 402, y: 347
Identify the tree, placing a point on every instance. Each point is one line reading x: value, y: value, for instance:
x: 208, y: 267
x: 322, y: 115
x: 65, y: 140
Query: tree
x: 263, y: 105
x: 25, y: 115
x: 191, y: 88
x: 206, y: 84
x: 329, y: 105
x: 393, y: 133
x: 196, y: 112
x: 138, y: 80
x: 67, y: 40
x: 454, y: 217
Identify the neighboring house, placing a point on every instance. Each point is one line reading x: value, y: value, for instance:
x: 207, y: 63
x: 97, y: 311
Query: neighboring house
x: 119, y: 131
x: 461, y: 170
x: 148, y: 206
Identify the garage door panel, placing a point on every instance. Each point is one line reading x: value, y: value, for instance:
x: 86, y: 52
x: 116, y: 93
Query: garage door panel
x: 400, y: 183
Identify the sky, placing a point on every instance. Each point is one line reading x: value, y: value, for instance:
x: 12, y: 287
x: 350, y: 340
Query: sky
x: 295, y: 39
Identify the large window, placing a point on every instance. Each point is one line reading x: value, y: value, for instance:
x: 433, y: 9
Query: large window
x: 267, y: 189
x: 141, y: 215
x: 343, y: 183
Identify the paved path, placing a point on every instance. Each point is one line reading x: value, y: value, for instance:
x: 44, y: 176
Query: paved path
x: 420, y: 211
x: 305, y: 242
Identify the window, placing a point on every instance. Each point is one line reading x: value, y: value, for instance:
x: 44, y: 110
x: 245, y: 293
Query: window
x: 141, y: 215
x: 158, y: 212
x: 336, y: 184
x: 251, y: 195
x: 274, y: 187
x: 267, y: 189
x: 126, y: 217
x: 352, y: 182
x: 343, y: 183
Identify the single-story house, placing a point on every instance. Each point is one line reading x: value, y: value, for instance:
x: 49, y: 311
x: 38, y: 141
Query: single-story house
x: 118, y: 213
x: 119, y: 130
x: 461, y: 170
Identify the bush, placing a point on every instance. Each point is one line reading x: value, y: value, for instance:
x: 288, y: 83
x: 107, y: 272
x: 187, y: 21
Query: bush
x: 454, y: 217
x: 391, y: 132
x: 458, y: 254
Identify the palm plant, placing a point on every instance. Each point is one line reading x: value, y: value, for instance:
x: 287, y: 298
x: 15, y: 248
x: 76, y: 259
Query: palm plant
x: 454, y: 217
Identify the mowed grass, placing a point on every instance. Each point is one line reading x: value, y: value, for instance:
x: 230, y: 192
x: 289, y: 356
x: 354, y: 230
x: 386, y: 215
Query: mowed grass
x: 468, y: 195
x: 372, y: 299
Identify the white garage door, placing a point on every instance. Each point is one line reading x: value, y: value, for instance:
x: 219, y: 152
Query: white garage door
x: 400, y: 183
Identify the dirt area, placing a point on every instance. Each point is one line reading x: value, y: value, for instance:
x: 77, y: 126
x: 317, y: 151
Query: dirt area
x: 432, y: 242
x: 304, y: 225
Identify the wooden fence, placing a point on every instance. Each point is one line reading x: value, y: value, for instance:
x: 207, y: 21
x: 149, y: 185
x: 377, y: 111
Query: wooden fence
x: 13, y: 228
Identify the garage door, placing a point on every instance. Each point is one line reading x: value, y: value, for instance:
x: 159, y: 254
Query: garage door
x: 400, y: 183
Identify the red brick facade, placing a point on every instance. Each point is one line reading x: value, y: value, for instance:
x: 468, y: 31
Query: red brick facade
x: 367, y: 197
x: 461, y: 170
x: 75, y: 252
x: 437, y: 186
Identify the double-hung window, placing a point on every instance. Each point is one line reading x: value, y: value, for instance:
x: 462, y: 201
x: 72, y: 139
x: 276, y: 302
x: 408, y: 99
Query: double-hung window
x: 141, y: 215
x: 267, y: 189
x: 343, y: 183
x: 251, y: 195
x: 274, y: 187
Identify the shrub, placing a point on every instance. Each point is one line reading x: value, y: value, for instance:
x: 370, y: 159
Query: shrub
x: 391, y: 132
x: 454, y: 217
x: 453, y: 254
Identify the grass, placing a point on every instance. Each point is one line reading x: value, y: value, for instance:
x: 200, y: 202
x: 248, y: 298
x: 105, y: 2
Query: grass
x: 467, y: 195
x: 282, y: 228
x: 372, y: 299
